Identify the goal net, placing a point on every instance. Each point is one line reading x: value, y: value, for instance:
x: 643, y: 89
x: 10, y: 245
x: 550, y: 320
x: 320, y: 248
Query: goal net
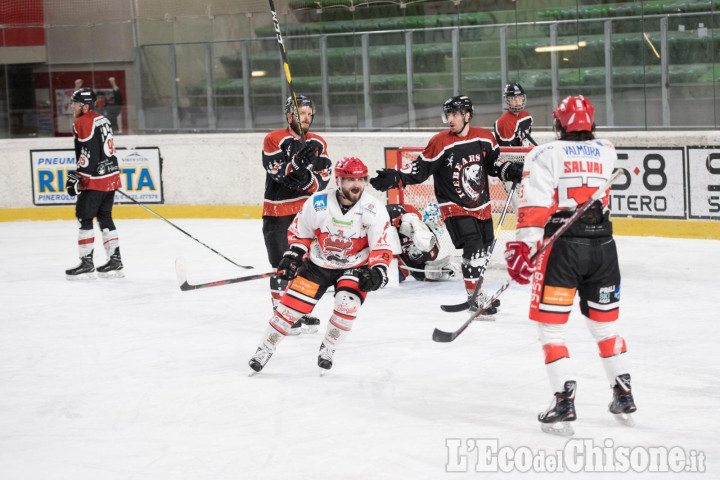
x: 422, y: 197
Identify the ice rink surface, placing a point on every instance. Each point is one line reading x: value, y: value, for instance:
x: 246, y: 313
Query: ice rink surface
x: 134, y: 379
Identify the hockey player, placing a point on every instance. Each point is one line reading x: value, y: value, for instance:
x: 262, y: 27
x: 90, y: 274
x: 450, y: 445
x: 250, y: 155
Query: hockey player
x: 460, y: 160
x: 94, y: 183
x: 294, y: 171
x: 344, y: 230
x: 558, y: 177
x: 514, y: 127
x: 420, y: 249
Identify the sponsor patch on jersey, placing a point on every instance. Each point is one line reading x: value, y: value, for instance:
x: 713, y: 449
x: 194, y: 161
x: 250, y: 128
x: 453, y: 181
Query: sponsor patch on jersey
x: 305, y: 286
x: 558, y: 295
x: 344, y: 223
x: 320, y: 202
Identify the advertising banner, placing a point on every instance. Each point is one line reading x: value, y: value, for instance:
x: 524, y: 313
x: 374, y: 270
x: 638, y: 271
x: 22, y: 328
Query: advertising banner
x: 704, y: 182
x: 140, y: 173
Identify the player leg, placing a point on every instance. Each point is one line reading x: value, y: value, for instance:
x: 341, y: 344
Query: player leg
x: 553, y: 292
x: 348, y: 299
x: 114, y: 266
x: 473, y: 236
x: 300, y: 299
x: 86, y: 208
x: 600, y: 304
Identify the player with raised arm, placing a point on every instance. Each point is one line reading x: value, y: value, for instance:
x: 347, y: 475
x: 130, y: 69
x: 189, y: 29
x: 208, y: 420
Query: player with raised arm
x: 94, y: 183
x: 514, y: 127
x: 419, y: 244
x: 558, y: 177
x: 293, y: 172
x: 460, y: 160
x: 344, y: 233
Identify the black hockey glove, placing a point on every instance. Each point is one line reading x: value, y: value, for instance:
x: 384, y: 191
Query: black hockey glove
x: 288, y: 267
x: 300, y: 180
x: 371, y: 279
x: 72, y: 185
x: 303, y: 158
x: 386, y: 179
x: 511, y: 172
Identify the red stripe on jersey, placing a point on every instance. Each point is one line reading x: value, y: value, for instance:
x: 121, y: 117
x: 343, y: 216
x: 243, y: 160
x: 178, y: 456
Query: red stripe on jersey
x: 603, y: 315
x: 448, y: 210
x: 554, y: 351
x: 612, y: 346
x: 282, y: 208
x: 548, y: 317
x: 102, y: 184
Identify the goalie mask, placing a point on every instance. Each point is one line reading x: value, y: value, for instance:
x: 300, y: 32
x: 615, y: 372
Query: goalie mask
x: 575, y: 114
x: 514, y: 90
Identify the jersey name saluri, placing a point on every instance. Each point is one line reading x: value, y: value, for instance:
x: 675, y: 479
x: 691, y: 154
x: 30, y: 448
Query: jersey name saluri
x: 97, y: 165
x: 460, y: 167
x: 338, y: 240
x: 558, y: 177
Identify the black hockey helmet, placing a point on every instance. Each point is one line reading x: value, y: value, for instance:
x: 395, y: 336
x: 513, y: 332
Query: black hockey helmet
x: 84, y: 95
x: 302, y: 101
x: 514, y: 90
x: 460, y: 103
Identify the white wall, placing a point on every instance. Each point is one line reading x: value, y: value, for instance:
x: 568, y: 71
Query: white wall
x: 226, y: 169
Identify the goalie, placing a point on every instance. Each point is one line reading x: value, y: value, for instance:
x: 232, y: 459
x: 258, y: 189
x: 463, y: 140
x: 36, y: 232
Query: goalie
x: 419, y: 247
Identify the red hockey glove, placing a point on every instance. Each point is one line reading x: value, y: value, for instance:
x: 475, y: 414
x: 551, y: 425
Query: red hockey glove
x: 519, y: 267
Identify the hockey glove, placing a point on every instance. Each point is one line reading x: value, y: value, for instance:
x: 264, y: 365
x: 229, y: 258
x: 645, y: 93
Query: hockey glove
x: 290, y: 263
x: 72, y: 185
x: 299, y: 180
x: 511, y: 172
x: 519, y: 267
x: 303, y: 158
x: 386, y: 179
x: 372, y: 278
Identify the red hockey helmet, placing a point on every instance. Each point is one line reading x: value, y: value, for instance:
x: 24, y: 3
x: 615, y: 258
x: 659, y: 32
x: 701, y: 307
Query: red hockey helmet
x: 350, y: 167
x: 575, y: 114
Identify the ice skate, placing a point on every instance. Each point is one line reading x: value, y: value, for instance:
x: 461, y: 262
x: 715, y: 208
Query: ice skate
x: 260, y: 359
x: 84, y: 271
x: 325, y: 358
x: 623, y: 404
x: 555, y: 420
x: 307, y: 324
x: 113, y: 268
x: 480, y: 301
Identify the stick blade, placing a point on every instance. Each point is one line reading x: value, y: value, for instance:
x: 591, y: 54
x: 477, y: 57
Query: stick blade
x: 443, y: 337
x: 181, y: 272
x: 460, y: 307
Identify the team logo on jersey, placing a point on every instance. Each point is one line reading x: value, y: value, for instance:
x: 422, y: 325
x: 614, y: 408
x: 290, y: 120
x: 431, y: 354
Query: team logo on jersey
x: 84, y: 159
x: 605, y: 294
x: 101, y: 170
x: 320, y: 202
x: 337, y: 247
x: 469, y: 179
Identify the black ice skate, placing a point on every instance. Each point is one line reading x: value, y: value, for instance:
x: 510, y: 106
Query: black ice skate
x: 325, y: 358
x: 113, y: 268
x: 623, y: 404
x: 260, y: 359
x: 555, y: 419
x: 84, y: 271
x: 307, y: 324
x: 489, y: 314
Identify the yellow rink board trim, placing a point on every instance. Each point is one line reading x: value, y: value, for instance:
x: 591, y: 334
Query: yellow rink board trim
x: 650, y: 227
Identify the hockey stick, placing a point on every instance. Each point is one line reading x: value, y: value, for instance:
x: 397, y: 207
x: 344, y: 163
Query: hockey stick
x: 444, y: 337
x: 183, y: 231
x: 286, y: 66
x: 470, y: 303
x: 181, y: 273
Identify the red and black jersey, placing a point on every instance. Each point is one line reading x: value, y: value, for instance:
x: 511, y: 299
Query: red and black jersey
x: 460, y: 167
x: 283, y: 194
x: 97, y: 165
x: 511, y: 129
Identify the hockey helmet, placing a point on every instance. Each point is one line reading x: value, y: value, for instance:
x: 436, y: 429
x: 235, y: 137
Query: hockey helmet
x: 457, y: 104
x: 302, y: 101
x: 575, y: 114
x: 84, y: 95
x: 514, y: 90
x: 350, y: 167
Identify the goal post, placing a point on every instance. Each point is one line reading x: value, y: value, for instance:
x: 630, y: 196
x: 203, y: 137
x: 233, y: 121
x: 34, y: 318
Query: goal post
x: 423, y: 194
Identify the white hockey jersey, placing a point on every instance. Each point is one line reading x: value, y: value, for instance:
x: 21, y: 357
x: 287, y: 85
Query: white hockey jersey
x: 339, y: 241
x: 559, y: 176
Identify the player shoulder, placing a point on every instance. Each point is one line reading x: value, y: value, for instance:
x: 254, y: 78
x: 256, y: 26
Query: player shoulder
x: 373, y: 206
x: 604, y: 143
x: 320, y: 200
